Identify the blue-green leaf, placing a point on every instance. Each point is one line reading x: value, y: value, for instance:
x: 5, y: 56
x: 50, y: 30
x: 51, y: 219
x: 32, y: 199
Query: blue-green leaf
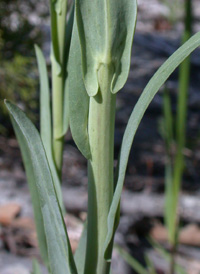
x: 59, y: 250
x: 66, y: 91
x: 45, y: 120
x: 58, y: 10
x: 58, y: 5
x: 36, y: 267
x: 45, y: 110
x: 106, y: 30
x: 35, y: 198
x: 145, y: 99
x: 78, y: 97
x: 80, y: 253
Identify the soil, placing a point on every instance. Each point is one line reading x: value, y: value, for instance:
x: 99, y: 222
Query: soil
x: 155, y: 40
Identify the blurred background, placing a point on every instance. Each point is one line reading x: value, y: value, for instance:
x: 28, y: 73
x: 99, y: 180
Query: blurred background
x: 161, y: 28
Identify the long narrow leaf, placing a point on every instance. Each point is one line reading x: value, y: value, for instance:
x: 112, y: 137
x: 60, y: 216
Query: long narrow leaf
x: 45, y: 120
x: 150, y: 265
x: 45, y: 112
x: 66, y: 91
x: 149, y: 92
x: 78, y: 97
x: 59, y: 249
x: 139, y: 268
x: 106, y: 30
x: 36, y: 267
x: 57, y: 8
x: 80, y: 253
x: 34, y: 196
x: 166, y: 255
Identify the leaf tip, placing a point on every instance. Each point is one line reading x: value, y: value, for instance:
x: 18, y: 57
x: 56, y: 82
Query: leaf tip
x: 6, y: 102
x: 37, y: 49
x: 92, y: 91
x: 88, y: 155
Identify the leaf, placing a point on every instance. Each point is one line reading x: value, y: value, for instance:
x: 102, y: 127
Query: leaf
x: 35, y: 198
x: 69, y: 29
x: 58, y: 6
x: 80, y: 253
x: 139, y: 268
x: 45, y: 112
x: 45, y: 120
x: 66, y: 91
x: 145, y: 99
x: 42, y: 183
x: 150, y: 265
x: 78, y: 98
x: 54, y: 54
x: 166, y: 255
x: 36, y: 267
x: 58, y: 9
x: 106, y: 30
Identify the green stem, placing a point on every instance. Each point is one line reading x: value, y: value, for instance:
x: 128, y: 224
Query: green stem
x: 184, y: 78
x: 168, y: 120
x: 173, y: 259
x: 58, y: 26
x: 100, y: 171
x: 57, y: 106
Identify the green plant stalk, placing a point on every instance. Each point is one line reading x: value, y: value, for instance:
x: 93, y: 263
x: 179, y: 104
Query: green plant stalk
x: 100, y: 171
x: 181, y: 119
x: 58, y: 81
x: 168, y: 120
x: 58, y: 142
x: 184, y: 78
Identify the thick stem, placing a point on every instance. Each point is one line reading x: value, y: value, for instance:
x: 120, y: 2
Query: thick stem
x: 100, y: 172
x: 58, y: 79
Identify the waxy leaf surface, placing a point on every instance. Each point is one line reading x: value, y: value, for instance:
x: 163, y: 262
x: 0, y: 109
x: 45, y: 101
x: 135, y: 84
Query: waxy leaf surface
x: 80, y: 253
x: 106, y: 30
x: 78, y: 97
x: 66, y: 90
x: 36, y: 267
x: 145, y: 99
x: 59, y: 251
x: 45, y: 120
x: 58, y: 10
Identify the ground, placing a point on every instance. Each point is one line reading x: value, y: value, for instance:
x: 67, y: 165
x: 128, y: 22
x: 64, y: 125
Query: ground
x: 156, y: 39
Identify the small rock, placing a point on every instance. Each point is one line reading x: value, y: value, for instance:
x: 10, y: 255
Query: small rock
x: 190, y: 235
x: 24, y: 223
x: 159, y: 233
x: 8, y: 212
